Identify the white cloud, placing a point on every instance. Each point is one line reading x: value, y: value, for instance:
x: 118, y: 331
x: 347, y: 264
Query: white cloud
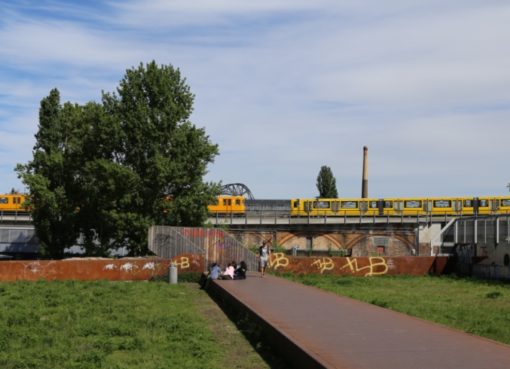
x: 285, y: 87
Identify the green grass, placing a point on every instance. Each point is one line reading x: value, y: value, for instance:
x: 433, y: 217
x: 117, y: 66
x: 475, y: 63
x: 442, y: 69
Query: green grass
x: 474, y: 306
x: 116, y: 325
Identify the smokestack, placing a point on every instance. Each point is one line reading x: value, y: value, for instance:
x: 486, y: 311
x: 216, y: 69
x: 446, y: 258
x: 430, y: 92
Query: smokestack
x: 364, y: 182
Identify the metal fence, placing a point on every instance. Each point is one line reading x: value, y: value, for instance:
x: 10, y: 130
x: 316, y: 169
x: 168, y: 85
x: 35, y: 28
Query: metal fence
x: 483, y: 231
x: 214, y: 245
x: 18, y: 240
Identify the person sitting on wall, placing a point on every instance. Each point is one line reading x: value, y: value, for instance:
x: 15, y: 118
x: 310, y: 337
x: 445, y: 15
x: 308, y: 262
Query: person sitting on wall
x: 214, y: 273
x: 240, y: 272
x: 229, y: 272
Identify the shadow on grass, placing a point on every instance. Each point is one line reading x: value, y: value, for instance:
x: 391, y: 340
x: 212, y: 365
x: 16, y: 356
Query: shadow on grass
x: 254, y: 332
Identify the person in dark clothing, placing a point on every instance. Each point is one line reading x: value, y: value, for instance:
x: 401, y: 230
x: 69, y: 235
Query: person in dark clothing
x: 240, y: 272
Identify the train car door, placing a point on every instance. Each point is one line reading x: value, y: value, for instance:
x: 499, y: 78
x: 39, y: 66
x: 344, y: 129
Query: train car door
x: 380, y: 206
x: 494, y: 205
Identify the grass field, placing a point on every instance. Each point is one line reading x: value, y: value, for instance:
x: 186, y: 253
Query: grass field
x: 117, y: 325
x: 474, y: 306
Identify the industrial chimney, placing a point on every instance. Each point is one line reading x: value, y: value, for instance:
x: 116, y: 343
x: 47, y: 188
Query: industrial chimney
x: 364, y: 182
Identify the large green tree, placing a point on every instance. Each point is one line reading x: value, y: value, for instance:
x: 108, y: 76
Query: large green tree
x: 108, y: 171
x: 326, y: 183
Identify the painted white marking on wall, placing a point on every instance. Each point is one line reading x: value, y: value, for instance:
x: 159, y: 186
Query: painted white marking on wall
x: 128, y: 267
x: 110, y: 267
x: 149, y: 266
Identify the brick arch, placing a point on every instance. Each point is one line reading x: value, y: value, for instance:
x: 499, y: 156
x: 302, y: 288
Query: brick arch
x: 408, y: 244
x: 290, y: 236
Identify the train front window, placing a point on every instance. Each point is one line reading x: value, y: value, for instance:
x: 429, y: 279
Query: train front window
x: 238, y: 202
x: 4, y: 200
x: 505, y: 202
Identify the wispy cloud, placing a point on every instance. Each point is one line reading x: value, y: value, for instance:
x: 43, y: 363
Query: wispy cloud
x: 285, y: 87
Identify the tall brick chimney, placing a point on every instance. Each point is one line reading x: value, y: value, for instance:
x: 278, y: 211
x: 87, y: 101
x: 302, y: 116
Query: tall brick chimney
x: 364, y: 182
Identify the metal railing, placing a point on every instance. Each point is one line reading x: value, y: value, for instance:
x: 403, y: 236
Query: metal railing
x: 483, y: 231
x: 215, y: 245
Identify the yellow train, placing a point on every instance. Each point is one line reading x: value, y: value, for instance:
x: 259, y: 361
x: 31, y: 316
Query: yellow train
x: 339, y: 207
x: 12, y: 203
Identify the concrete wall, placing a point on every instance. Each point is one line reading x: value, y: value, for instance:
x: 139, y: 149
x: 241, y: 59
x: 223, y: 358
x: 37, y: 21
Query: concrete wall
x: 86, y: 269
x: 359, y: 266
x: 145, y: 268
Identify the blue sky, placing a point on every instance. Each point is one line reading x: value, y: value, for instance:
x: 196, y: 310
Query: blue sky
x: 284, y: 87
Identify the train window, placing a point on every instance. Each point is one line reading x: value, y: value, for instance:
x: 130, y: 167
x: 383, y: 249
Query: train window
x: 373, y: 204
x: 295, y: 204
x: 442, y: 204
x: 17, y: 200
x: 484, y: 203
x: 505, y: 202
x: 321, y: 204
x: 335, y: 205
x: 388, y: 204
x: 349, y: 204
x: 468, y: 203
x: 238, y: 202
x: 4, y: 200
x: 413, y: 204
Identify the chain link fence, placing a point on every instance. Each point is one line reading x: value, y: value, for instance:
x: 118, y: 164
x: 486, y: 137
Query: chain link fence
x: 215, y: 245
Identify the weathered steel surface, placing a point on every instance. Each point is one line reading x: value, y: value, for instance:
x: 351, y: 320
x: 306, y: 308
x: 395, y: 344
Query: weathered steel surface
x: 338, y: 332
x: 359, y: 266
x: 145, y: 268
x: 86, y: 269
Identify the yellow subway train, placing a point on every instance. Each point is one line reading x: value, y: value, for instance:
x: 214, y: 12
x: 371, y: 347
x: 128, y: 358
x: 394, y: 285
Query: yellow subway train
x: 355, y: 207
x: 337, y: 207
x: 12, y: 203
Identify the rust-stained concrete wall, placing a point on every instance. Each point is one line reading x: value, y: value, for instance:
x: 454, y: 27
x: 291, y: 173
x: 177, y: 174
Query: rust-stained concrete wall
x: 146, y: 268
x: 86, y: 269
x: 359, y: 266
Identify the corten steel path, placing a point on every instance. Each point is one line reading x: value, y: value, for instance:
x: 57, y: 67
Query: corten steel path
x: 337, y: 332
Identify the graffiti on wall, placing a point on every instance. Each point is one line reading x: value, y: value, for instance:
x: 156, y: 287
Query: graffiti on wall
x: 278, y: 260
x: 182, y: 262
x: 324, y: 264
x: 377, y: 266
x: 367, y: 267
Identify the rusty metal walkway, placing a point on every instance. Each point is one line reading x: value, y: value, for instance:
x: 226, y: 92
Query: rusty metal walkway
x: 317, y: 329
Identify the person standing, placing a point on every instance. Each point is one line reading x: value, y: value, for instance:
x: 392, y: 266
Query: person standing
x: 264, y: 254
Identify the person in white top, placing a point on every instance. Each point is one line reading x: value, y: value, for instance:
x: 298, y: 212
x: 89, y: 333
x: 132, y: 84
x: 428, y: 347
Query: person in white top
x: 264, y: 255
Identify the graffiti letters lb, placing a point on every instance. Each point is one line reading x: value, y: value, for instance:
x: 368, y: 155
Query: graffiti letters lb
x: 277, y: 260
x: 377, y: 266
x: 324, y: 264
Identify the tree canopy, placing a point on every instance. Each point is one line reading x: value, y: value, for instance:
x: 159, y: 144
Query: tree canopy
x: 104, y: 172
x: 326, y: 183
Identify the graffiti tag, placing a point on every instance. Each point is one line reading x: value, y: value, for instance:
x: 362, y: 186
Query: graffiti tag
x: 377, y: 266
x: 324, y: 264
x: 277, y: 260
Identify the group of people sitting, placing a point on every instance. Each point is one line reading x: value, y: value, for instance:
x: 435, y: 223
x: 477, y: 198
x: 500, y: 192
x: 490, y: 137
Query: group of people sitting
x: 232, y: 271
